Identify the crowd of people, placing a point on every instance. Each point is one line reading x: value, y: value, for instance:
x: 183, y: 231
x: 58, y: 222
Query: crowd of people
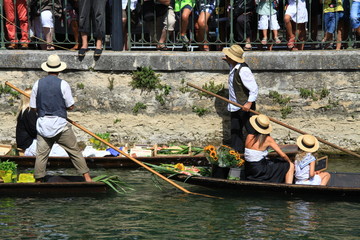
x: 186, y: 22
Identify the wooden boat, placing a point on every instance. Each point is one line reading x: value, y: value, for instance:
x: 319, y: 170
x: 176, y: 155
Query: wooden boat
x: 341, y: 185
x: 59, y: 186
x: 123, y: 162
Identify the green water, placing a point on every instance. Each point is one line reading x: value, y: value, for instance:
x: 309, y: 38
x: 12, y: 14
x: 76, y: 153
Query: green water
x: 153, y: 213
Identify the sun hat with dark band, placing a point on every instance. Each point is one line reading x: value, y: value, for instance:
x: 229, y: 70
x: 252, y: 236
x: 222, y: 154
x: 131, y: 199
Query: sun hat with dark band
x: 261, y: 123
x: 235, y: 52
x: 308, y: 143
x: 53, y: 64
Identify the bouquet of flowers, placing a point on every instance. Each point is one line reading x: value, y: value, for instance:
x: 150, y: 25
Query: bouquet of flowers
x: 224, y: 156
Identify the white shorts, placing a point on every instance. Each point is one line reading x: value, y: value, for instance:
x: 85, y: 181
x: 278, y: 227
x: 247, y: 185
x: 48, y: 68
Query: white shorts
x: 47, y: 19
x: 297, y: 12
x: 316, y: 180
x: 264, y: 22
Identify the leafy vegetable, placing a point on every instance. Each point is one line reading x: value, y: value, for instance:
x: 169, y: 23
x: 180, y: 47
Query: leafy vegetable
x: 8, y: 166
x: 114, y: 182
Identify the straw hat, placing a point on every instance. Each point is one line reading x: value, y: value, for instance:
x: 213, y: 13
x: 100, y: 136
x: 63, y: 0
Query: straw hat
x: 53, y: 64
x: 235, y: 52
x: 261, y: 123
x: 308, y: 143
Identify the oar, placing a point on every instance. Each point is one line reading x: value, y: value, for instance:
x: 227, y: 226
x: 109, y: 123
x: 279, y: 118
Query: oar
x: 273, y: 120
x: 120, y: 151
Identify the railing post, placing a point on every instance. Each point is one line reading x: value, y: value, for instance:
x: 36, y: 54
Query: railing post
x: 2, y: 29
x: 117, y: 42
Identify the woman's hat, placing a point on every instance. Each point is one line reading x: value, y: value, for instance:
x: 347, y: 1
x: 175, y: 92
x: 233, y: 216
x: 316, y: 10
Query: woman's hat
x: 53, y: 64
x: 261, y: 123
x: 308, y: 143
x: 235, y: 52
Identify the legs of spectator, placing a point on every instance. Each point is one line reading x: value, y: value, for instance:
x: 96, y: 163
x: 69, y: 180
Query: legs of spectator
x: 125, y: 32
x: 203, y: 29
x: 75, y: 29
x: 22, y: 12
x: 289, y: 31
x: 301, y: 33
x: 47, y: 23
x: 185, y: 14
x: 340, y: 34
x: 243, y: 30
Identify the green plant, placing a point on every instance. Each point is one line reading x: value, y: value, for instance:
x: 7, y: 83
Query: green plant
x: 117, y: 121
x: 145, y: 78
x: 160, y: 99
x: 278, y: 98
x: 114, y: 182
x: 80, y: 86
x: 212, y: 87
x: 138, y: 106
x: 97, y: 144
x: 8, y: 166
x: 286, y: 110
x: 323, y: 93
x: 200, y: 111
x: 306, y: 93
x: 111, y: 83
x: 310, y: 93
x: 7, y: 90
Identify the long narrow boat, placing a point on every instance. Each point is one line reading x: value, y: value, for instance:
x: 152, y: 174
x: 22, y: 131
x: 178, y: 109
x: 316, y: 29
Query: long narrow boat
x: 343, y: 185
x: 123, y: 162
x: 62, y: 186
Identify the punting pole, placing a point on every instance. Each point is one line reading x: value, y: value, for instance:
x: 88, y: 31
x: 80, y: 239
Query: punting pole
x: 273, y: 120
x: 120, y: 151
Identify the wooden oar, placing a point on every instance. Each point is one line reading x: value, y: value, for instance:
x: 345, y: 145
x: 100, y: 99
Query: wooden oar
x: 273, y: 120
x: 119, y: 151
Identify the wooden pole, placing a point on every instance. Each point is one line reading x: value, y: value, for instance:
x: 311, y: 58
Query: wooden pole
x: 274, y: 120
x: 118, y: 150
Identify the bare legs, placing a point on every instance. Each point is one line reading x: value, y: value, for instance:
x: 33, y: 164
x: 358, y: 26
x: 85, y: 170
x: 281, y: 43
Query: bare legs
x: 289, y: 177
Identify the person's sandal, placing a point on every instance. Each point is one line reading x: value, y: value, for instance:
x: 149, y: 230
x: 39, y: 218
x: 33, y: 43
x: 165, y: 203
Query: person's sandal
x: 247, y: 47
x: 82, y: 52
x: 291, y: 43
x: 277, y: 40
x: 264, y: 41
x: 97, y: 52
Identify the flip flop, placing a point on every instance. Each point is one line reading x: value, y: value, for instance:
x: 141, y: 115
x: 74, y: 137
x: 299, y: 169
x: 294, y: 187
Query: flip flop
x: 291, y: 43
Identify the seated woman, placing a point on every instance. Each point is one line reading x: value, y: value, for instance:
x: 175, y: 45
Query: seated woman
x: 257, y: 166
x: 26, y: 130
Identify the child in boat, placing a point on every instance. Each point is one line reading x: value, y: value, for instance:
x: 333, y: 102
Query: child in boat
x: 258, y: 167
x: 305, y: 163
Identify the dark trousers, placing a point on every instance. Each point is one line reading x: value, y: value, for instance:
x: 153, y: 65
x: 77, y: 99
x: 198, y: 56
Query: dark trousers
x: 239, y: 123
x: 92, y: 11
x: 243, y: 26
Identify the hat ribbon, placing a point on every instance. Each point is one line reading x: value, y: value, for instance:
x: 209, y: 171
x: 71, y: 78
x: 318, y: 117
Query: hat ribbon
x: 53, y: 66
x: 259, y: 125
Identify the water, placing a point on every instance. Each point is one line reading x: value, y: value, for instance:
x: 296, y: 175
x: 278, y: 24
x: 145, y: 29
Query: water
x: 167, y: 213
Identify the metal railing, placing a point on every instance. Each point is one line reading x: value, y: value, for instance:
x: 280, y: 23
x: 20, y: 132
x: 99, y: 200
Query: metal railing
x: 154, y: 25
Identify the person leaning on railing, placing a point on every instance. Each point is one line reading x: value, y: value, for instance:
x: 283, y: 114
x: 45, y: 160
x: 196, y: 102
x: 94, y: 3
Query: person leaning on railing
x: 204, y: 10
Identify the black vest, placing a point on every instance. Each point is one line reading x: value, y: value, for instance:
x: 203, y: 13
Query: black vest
x: 241, y: 92
x: 49, y: 98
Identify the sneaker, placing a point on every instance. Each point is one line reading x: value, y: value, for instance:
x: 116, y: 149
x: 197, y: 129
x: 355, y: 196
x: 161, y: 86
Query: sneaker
x: 184, y: 39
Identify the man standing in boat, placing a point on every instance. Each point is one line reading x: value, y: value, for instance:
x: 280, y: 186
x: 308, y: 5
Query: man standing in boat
x: 243, y: 89
x: 52, y: 97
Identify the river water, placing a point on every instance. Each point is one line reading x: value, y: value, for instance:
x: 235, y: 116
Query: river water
x: 150, y: 212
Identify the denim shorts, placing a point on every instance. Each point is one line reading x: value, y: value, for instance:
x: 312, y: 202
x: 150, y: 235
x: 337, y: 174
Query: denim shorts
x: 331, y: 20
x: 206, y: 6
x: 355, y: 15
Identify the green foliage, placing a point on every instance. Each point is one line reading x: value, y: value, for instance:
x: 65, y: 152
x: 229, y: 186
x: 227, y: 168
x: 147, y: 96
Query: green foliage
x: 283, y: 102
x: 97, y: 144
x: 212, y: 87
x: 286, y: 110
x: 117, y: 121
x: 145, y: 78
x: 8, y: 166
x: 80, y: 86
x: 200, y: 111
x: 331, y: 104
x: 310, y: 93
x: 183, y: 150
x: 138, y: 106
x: 111, y: 83
x: 114, y: 182
x: 184, y: 88
x: 7, y: 90
x: 160, y: 99
x: 278, y: 98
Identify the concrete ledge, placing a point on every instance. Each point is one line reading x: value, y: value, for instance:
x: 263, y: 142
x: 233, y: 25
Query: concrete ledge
x: 186, y: 61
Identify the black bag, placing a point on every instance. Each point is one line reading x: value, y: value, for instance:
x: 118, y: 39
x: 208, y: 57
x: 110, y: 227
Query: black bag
x: 240, y: 7
x: 150, y: 8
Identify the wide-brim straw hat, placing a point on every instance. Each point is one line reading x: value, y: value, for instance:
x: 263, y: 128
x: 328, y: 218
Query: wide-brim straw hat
x: 308, y: 143
x: 53, y: 64
x: 235, y: 52
x: 261, y: 123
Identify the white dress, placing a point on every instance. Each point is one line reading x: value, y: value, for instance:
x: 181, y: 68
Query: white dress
x: 302, y: 173
x: 297, y: 11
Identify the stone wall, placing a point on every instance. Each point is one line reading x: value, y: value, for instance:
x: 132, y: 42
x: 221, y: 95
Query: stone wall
x: 105, y: 100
